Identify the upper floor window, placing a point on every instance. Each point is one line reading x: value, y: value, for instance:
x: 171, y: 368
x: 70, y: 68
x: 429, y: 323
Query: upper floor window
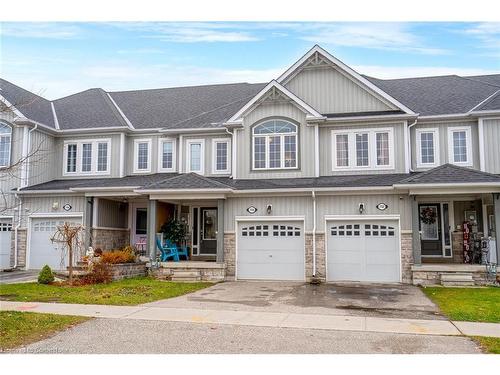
x: 427, y: 147
x: 142, y: 155
x: 221, y: 152
x: 275, y: 145
x: 459, y: 145
x: 87, y: 156
x: 5, y: 144
x: 166, y: 161
x: 362, y: 149
x: 196, y: 155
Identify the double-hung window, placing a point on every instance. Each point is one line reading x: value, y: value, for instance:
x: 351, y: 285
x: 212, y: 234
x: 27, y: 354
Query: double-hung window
x: 275, y: 145
x: 460, y: 145
x: 86, y: 157
x: 142, y: 155
x: 427, y: 147
x: 166, y: 160
x: 5, y: 144
x: 196, y: 155
x: 221, y: 154
x: 359, y: 149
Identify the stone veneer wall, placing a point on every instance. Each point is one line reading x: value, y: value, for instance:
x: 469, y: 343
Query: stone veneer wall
x: 426, y: 277
x: 21, y: 247
x: 127, y: 270
x: 230, y: 255
x: 320, y: 256
x: 406, y: 257
x: 109, y: 239
x: 207, y: 272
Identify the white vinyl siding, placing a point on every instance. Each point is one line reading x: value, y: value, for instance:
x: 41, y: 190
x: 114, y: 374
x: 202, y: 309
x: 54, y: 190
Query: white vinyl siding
x: 460, y: 146
x: 142, y: 155
x: 167, y: 157
x: 87, y: 157
x: 427, y: 147
x: 221, y: 152
x: 362, y: 149
x: 196, y: 156
x: 5, y: 144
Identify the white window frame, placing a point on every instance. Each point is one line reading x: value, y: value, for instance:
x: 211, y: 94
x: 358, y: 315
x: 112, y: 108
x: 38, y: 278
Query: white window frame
x: 372, y: 149
x: 189, y: 142
x: 9, y: 159
x: 161, y: 141
x: 282, y: 148
x: 93, y: 169
x: 136, y: 155
x: 468, y: 144
x: 418, y: 138
x: 216, y: 141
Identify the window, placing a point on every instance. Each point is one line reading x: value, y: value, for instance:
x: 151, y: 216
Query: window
x: 142, y: 155
x: 195, y: 155
x: 362, y: 148
x: 166, y: 160
x: 221, y: 156
x: 459, y: 145
x: 427, y: 149
x: 87, y: 157
x: 275, y: 145
x: 5, y: 144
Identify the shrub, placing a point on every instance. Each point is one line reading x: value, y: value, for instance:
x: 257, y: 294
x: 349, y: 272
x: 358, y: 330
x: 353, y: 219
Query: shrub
x: 99, y: 274
x: 118, y: 256
x: 45, y: 276
x: 174, y: 230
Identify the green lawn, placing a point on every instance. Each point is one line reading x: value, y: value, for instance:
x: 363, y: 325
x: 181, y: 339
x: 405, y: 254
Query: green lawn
x: 489, y: 344
x: 124, y: 292
x: 467, y: 304
x: 20, y: 328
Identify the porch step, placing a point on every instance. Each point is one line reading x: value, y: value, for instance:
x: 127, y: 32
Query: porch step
x: 194, y: 275
x: 457, y: 279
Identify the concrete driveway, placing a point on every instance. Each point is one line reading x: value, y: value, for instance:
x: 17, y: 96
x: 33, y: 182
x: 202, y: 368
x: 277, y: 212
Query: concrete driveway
x: 12, y: 277
x: 354, y: 299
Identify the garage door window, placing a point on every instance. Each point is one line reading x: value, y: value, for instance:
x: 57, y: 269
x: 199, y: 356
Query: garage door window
x: 346, y: 230
x: 275, y: 230
x: 376, y: 230
x: 5, y: 227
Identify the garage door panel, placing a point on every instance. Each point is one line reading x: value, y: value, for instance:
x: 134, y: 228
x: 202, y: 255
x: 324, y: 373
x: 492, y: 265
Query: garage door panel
x: 363, y: 251
x: 270, y: 251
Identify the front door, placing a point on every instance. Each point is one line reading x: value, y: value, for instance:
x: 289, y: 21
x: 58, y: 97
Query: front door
x: 208, y: 233
x: 139, y: 226
x: 430, y: 230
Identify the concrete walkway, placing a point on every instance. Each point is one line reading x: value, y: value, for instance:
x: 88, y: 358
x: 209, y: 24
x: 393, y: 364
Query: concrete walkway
x: 262, y: 319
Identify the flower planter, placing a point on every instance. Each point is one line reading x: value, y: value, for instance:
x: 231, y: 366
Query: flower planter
x: 127, y: 270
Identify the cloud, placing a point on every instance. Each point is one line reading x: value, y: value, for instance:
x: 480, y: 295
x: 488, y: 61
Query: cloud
x: 40, y: 30
x: 382, y: 36
x: 488, y: 34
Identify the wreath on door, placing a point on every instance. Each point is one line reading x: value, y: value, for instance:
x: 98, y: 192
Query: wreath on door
x: 428, y: 215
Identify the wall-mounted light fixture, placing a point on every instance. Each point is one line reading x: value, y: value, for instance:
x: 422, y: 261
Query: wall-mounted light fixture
x: 361, y: 208
x: 55, y: 205
x: 269, y: 209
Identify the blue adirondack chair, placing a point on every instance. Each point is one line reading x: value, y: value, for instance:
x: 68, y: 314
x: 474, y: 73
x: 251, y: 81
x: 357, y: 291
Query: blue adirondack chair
x: 181, y: 251
x: 166, y: 251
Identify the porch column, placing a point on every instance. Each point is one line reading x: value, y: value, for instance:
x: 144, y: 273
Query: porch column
x: 151, y: 225
x: 220, y: 230
x: 88, y: 222
x: 496, y: 203
x: 415, y: 218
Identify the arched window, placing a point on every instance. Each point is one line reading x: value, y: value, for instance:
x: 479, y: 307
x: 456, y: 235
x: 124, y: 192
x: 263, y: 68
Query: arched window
x: 275, y: 145
x: 5, y: 144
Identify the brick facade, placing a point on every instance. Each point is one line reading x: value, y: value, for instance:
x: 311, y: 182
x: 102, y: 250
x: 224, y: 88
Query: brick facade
x: 110, y: 239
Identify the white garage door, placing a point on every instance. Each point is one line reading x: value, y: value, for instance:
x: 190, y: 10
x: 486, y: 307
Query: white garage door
x: 5, y: 243
x: 363, y: 251
x: 270, y: 250
x: 42, y: 250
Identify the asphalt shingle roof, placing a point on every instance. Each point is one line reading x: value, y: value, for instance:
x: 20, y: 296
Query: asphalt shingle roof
x: 189, y: 181
x: 491, y: 104
x: 492, y: 79
x: 29, y: 104
x: 437, y: 95
x: 451, y: 174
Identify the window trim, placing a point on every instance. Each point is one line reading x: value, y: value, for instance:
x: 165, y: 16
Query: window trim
x: 161, y: 141
x: 215, y: 141
x: 94, y: 157
x: 9, y: 159
x: 282, y: 143
x: 189, y: 142
x: 136, y: 155
x: 372, y: 149
x: 418, y: 133
x: 468, y: 144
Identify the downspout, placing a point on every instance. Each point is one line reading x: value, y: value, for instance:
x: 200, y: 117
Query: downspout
x: 409, y: 143
x: 18, y: 225
x: 314, y: 279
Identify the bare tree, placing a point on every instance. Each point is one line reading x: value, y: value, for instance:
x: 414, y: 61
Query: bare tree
x: 70, y: 236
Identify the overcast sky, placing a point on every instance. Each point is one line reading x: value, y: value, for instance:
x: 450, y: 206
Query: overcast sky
x: 59, y: 59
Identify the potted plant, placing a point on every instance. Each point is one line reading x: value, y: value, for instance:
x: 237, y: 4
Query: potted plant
x: 174, y: 231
